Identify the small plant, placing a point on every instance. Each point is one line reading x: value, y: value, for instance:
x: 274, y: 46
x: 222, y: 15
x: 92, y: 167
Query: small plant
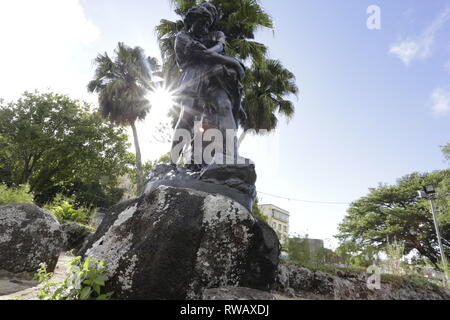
x: 64, y: 210
x: 43, y: 277
x: 11, y: 195
x: 257, y: 212
x: 84, y: 282
x: 395, y: 252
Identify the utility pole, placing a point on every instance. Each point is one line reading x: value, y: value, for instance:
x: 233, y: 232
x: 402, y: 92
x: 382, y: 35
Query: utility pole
x: 429, y: 193
x: 438, y: 233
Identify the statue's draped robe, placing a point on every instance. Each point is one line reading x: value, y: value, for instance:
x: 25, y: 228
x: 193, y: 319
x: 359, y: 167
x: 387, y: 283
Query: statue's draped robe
x: 201, y: 79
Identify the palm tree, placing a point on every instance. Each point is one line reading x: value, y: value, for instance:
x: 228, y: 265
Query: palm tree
x: 267, y: 85
x: 122, y: 84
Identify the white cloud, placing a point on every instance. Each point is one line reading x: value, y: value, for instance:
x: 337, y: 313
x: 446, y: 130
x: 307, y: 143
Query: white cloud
x: 441, y: 101
x: 406, y: 51
x: 420, y: 47
x: 39, y: 39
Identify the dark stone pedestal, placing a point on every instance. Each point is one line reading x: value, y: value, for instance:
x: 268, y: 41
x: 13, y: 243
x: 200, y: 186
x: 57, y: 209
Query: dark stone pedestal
x: 233, y: 181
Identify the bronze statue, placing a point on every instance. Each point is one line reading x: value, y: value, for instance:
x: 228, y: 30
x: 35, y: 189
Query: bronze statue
x: 210, y: 94
x: 210, y: 89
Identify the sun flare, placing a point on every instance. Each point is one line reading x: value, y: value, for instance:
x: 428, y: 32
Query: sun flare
x: 161, y: 100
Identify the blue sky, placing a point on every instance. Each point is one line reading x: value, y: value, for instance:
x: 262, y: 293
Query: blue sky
x: 374, y: 105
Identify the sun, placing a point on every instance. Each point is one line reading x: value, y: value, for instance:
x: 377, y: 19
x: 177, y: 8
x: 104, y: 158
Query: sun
x: 161, y: 100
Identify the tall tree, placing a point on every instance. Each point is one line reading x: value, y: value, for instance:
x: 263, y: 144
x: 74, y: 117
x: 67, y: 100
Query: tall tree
x: 54, y: 143
x: 394, y: 212
x: 299, y: 250
x: 446, y: 151
x: 241, y: 19
x: 122, y: 84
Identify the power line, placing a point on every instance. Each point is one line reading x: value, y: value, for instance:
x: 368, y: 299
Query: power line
x: 307, y: 201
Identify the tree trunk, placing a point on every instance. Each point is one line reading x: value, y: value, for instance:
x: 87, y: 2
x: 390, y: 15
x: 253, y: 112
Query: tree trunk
x: 26, y: 171
x: 140, y: 175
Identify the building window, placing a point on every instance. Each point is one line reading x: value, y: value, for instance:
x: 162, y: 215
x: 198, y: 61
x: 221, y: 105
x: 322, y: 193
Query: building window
x: 279, y: 215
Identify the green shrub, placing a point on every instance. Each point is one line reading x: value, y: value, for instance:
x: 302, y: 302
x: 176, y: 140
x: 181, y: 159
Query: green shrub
x: 11, y: 195
x: 395, y: 252
x: 84, y: 282
x: 257, y: 211
x: 65, y: 210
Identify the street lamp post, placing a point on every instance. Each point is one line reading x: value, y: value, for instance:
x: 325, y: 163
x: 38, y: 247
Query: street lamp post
x: 428, y: 193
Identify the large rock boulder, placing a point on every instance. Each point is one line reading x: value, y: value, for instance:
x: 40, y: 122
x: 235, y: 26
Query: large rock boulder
x: 174, y: 243
x: 28, y: 237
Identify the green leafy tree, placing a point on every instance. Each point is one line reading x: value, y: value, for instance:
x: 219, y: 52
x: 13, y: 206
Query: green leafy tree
x: 299, y: 250
x: 122, y: 83
x: 53, y: 143
x: 446, y: 151
x: 149, y: 165
x: 324, y: 256
x: 356, y: 256
x: 268, y: 82
x: 395, y: 212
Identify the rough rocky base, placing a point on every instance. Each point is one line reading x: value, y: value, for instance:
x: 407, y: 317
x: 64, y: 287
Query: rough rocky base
x: 233, y: 181
x: 314, y: 284
x: 236, y: 293
x: 29, y: 236
x: 298, y: 282
x: 174, y: 243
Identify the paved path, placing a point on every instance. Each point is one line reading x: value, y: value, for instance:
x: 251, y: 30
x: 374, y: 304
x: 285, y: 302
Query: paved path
x: 13, y: 288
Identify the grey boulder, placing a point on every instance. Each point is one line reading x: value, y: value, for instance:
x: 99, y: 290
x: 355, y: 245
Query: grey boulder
x: 174, y: 243
x: 29, y: 236
x: 75, y: 236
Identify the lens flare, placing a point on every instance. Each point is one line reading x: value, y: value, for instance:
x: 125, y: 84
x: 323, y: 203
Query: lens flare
x: 161, y: 99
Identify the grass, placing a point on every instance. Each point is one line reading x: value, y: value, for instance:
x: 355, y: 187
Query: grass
x: 399, y: 281
x: 329, y: 268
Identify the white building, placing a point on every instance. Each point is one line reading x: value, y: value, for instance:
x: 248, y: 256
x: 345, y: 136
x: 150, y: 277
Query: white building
x: 278, y: 219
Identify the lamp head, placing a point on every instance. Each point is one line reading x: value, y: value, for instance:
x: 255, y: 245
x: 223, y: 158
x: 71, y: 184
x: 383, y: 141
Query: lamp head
x: 429, y: 189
